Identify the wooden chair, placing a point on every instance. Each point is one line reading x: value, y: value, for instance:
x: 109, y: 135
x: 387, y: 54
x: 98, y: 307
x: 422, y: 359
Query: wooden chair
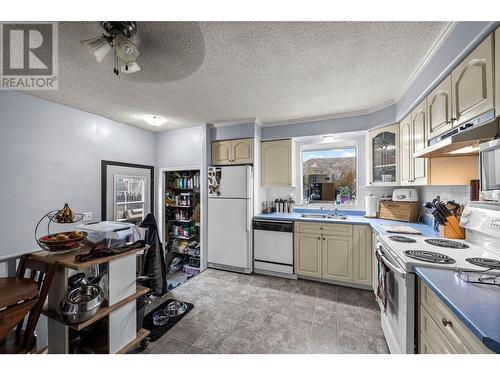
x: 21, y: 296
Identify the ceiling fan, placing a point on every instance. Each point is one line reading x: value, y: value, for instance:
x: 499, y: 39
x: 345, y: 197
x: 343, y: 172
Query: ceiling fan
x: 116, y: 37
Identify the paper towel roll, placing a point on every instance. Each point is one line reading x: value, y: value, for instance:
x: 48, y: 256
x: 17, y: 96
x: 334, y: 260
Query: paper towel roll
x: 371, y: 203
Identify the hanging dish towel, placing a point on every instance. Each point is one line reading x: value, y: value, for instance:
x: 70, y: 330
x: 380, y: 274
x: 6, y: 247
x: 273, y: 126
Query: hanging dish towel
x: 382, y: 281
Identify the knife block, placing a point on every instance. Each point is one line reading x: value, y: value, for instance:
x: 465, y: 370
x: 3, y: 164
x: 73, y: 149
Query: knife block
x: 447, y: 231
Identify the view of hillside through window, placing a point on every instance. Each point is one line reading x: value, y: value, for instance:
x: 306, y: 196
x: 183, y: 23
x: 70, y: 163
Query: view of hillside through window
x: 330, y: 175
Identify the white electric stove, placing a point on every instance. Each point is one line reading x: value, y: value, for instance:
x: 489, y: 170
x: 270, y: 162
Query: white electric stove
x: 477, y: 255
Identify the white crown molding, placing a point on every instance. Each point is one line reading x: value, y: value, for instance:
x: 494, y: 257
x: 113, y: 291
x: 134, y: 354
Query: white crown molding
x: 232, y: 123
x: 330, y: 116
x: 445, y: 32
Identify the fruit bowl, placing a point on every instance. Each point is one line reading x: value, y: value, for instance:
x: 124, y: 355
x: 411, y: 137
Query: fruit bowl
x: 63, y: 240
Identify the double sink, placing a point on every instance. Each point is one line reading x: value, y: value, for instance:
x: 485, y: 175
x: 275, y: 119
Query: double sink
x: 324, y: 216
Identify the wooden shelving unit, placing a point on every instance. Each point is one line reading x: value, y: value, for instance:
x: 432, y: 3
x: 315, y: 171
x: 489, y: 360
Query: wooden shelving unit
x: 118, y: 333
x: 141, y: 335
x: 103, y: 311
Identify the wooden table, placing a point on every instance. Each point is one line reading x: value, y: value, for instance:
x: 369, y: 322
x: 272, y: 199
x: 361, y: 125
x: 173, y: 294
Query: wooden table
x: 121, y: 293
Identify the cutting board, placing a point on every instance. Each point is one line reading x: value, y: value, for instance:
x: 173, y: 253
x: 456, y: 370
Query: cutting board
x: 402, y: 229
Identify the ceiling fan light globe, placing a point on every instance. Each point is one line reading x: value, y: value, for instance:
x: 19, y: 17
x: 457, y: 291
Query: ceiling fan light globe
x: 98, y: 47
x: 130, y: 67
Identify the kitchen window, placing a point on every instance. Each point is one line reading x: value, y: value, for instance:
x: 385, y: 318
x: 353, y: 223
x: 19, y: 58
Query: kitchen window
x: 329, y: 175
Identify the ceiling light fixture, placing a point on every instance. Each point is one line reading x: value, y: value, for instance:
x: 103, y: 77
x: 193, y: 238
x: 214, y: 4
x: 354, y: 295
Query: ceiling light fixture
x: 155, y: 120
x: 328, y: 138
x: 117, y: 38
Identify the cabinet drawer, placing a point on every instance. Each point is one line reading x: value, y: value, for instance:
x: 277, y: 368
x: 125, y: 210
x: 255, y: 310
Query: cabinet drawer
x: 434, y: 337
x: 424, y: 347
x: 323, y: 228
x: 460, y: 337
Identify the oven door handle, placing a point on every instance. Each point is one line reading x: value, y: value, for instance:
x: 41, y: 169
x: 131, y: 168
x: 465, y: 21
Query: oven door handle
x: 392, y: 267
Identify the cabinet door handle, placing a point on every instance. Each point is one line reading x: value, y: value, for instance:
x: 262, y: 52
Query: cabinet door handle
x: 446, y: 322
x: 319, y: 238
x: 324, y: 239
x: 453, y: 119
x: 321, y: 228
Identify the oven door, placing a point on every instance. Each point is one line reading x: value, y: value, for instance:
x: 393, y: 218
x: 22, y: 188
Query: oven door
x: 398, y: 319
x: 490, y: 170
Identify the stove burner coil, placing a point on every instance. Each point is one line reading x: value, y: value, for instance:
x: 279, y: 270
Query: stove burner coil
x: 429, y: 256
x: 446, y: 243
x: 403, y: 239
x: 485, y: 262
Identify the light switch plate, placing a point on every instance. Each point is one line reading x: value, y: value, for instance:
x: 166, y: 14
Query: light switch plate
x: 87, y: 216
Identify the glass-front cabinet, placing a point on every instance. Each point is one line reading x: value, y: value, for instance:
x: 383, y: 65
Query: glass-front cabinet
x: 383, y: 156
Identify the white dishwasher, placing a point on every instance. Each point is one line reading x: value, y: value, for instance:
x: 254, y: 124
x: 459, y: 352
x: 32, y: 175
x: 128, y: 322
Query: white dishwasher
x: 273, y: 247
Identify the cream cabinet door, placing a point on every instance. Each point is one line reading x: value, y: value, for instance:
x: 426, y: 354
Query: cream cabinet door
x: 337, y: 258
x: 472, y: 83
x: 221, y: 153
x: 362, y: 255
x: 405, y: 153
x: 307, y: 254
x: 242, y: 151
x: 383, y: 156
x: 374, y: 262
x: 439, y: 109
x: 418, y: 143
x: 497, y: 71
x: 278, y: 163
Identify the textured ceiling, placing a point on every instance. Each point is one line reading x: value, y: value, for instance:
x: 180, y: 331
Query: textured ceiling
x: 194, y: 73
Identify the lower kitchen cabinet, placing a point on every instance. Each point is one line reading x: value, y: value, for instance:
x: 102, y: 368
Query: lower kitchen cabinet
x: 324, y: 251
x: 362, y: 255
x: 308, y: 254
x: 373, y: 247
x: 337, y: 257
x: 440, y: 330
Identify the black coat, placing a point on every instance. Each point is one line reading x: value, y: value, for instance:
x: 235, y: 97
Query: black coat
x: 154, y: 263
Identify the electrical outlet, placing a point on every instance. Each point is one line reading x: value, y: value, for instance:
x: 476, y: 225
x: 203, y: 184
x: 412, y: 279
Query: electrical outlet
x: 87, y: 216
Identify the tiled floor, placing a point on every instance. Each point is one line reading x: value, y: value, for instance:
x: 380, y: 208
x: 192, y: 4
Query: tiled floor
x: 237, y: 313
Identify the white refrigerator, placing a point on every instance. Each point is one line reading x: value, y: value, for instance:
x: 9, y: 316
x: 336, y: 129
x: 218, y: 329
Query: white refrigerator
x: 230, y: 213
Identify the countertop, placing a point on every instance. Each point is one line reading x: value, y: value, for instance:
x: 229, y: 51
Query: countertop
x: 353, y: 217
x: 478, y: 306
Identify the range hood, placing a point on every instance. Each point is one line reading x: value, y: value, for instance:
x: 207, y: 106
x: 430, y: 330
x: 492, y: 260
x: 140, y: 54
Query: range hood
x: 464, y: 139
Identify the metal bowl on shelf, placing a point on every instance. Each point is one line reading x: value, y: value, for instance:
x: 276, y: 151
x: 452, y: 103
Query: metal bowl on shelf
x: 175, y: 308
x: 81, y: 303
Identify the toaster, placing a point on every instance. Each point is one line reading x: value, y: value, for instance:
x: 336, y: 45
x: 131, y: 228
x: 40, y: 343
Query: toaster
x: 405, y: 195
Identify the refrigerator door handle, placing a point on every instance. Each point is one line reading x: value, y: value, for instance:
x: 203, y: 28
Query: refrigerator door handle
x: 249, y: 215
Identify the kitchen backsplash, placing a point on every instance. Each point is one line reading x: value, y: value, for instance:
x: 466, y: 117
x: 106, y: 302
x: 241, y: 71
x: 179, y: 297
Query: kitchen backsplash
x: 459, y: 193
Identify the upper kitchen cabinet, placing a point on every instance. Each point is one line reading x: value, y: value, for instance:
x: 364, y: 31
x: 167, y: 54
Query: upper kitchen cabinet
x: 418, y: 143
x: 412, y: 139
x: 472, y: 84
x: 383, y: 156
x: 405, y: 153
x: 497, y: 71
x: 278, y: 162
x: 238, y: 151
x: 439, y: 109
x: 242, y: 151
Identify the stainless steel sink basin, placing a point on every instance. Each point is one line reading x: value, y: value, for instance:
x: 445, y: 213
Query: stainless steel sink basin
x: 324, y: 216
x: 314, y: 216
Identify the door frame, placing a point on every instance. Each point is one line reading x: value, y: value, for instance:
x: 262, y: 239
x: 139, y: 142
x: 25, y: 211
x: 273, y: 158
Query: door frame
x: 203, y: 206
x: 104, y: 183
